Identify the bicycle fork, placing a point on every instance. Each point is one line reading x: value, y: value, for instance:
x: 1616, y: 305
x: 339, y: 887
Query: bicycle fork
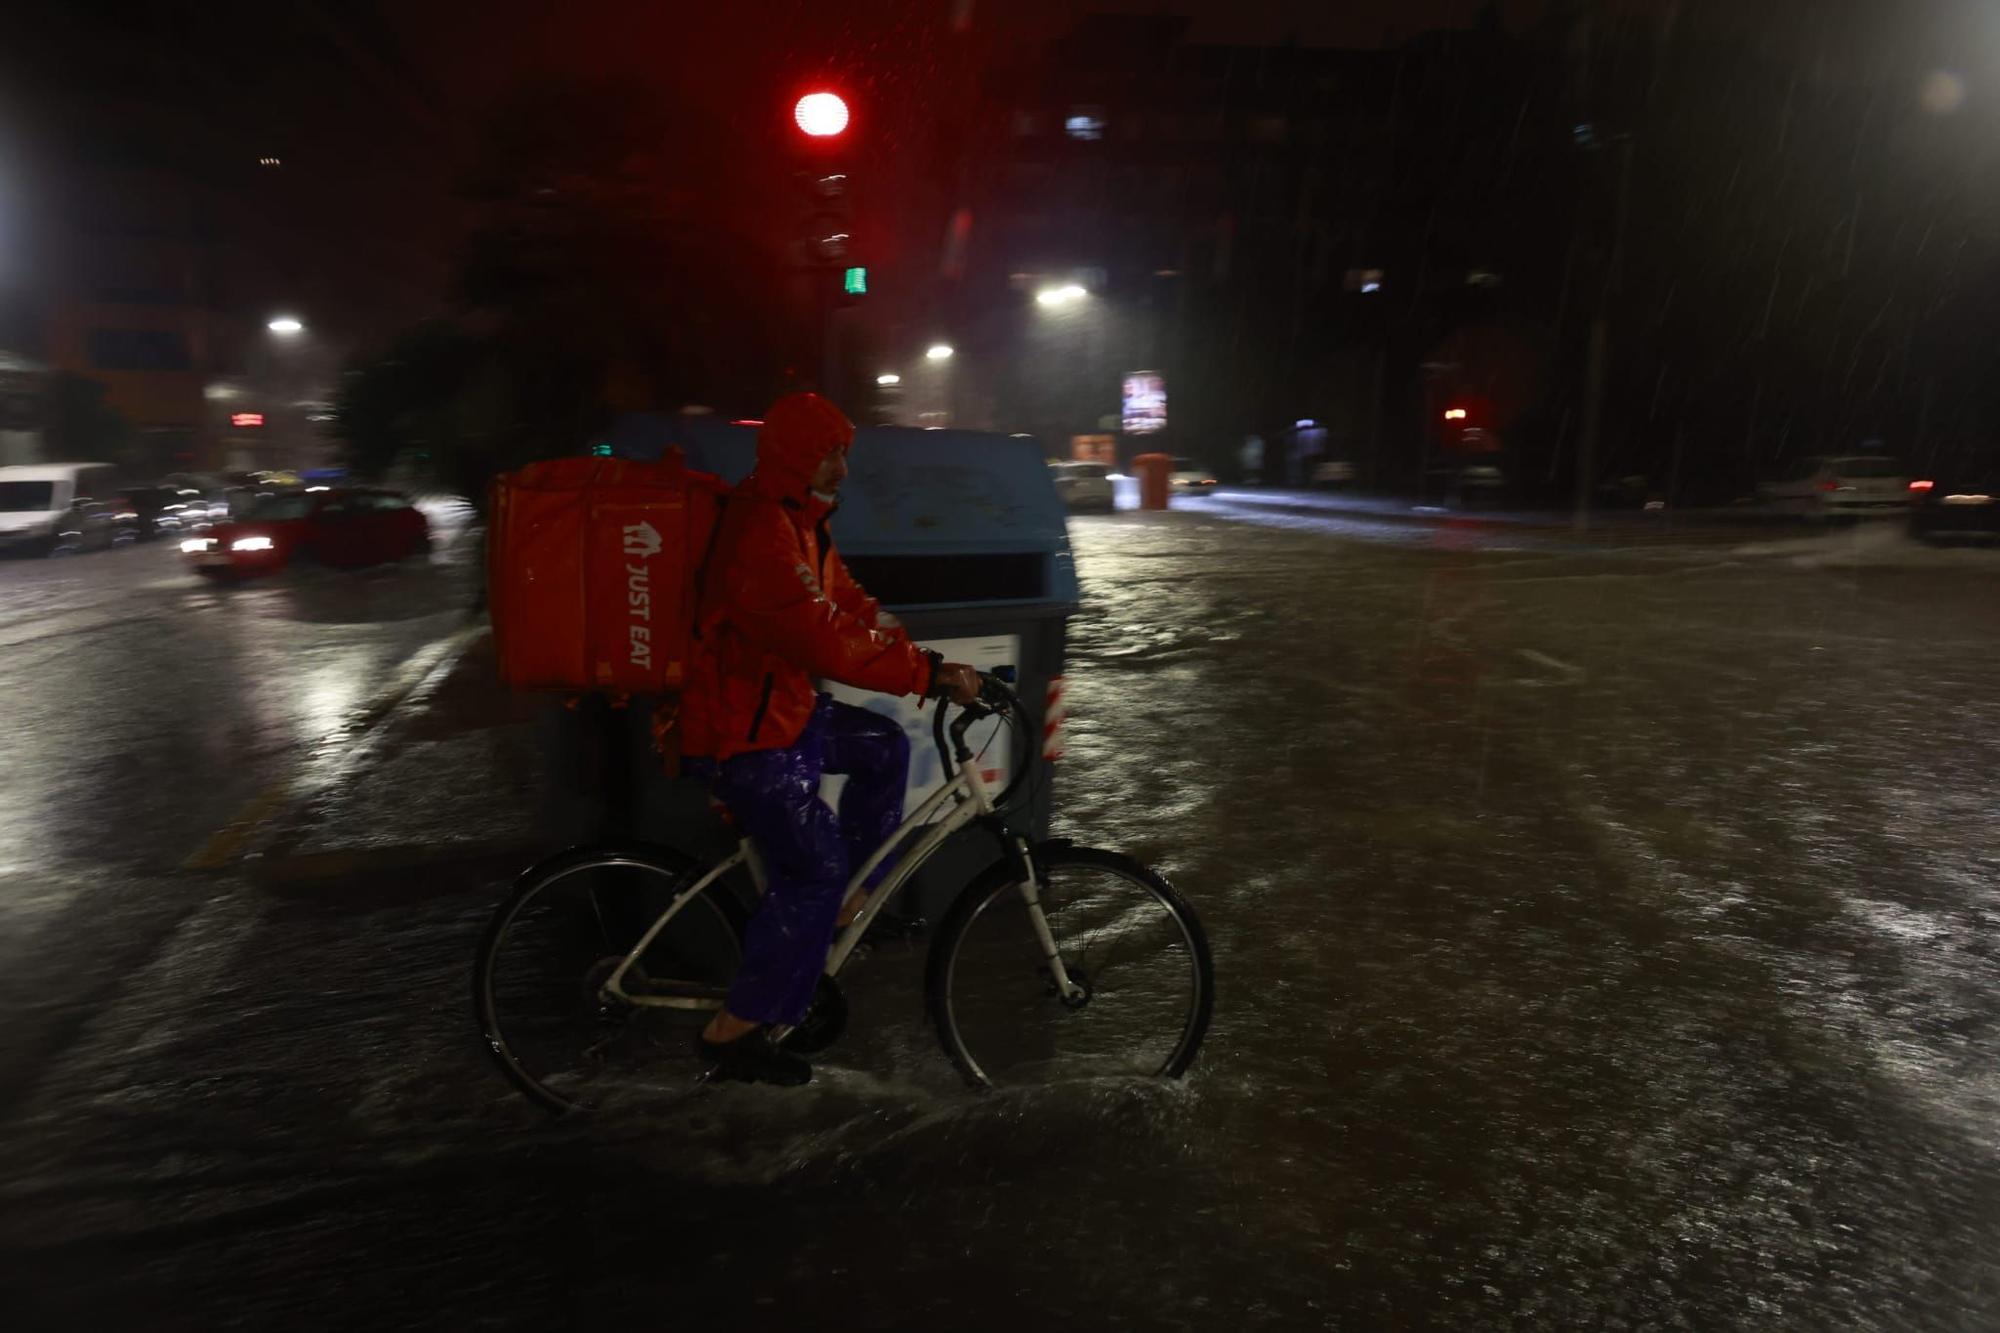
x: 1031, y: 894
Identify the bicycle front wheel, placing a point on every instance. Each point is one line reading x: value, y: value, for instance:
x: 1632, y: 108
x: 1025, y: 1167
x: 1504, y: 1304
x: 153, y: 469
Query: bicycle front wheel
x: 539, y: 987
x: 1126, y: 939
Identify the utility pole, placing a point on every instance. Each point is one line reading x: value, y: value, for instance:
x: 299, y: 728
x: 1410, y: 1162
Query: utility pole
x: 1597, y: 365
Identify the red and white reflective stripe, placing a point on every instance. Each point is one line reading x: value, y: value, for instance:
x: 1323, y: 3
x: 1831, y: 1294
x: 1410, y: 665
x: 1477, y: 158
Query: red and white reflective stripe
x: 1052, y: 720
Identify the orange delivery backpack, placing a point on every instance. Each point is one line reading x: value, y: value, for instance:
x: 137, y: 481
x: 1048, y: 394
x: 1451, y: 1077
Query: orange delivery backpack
x: 592, y: 567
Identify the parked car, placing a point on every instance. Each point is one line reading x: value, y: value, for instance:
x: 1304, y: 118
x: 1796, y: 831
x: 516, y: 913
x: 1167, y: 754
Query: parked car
x: 1189, y: 475
x: 157, y: 511
x: 1953, y: 506
x: 1466, y: 485
x: 1840, y: 487
x: 343, y: 528
x: 55, y: 509
x: 1085, y: 486
x: 1632, y: 491
x: 1330, y: 474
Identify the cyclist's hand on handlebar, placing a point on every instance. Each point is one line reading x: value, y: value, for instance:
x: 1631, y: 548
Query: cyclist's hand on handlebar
x: 957, y: 682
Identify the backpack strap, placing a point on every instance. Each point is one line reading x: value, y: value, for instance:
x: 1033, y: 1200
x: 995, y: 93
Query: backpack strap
x: 707, y: 556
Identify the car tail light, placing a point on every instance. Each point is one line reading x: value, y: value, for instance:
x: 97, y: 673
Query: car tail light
x: 1922, y: 485
x: 1829, y: 485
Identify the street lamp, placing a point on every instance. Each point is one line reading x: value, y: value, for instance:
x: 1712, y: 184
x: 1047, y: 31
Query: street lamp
x: 889, y: 378
x: 940, y: 383
x: 285, y: 326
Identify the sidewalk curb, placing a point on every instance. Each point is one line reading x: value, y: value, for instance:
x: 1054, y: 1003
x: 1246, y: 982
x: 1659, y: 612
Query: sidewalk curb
x: 277, y: 809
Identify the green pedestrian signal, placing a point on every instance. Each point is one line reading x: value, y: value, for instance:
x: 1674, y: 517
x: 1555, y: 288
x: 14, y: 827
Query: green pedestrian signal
x: 600, y: 451
x: 854, y: 282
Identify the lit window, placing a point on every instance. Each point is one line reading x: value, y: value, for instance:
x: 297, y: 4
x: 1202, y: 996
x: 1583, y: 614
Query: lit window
x: 1084, y: 123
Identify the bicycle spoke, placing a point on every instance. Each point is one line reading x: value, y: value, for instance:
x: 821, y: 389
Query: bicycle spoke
x: 543, y: 978
x: 1141, y: 978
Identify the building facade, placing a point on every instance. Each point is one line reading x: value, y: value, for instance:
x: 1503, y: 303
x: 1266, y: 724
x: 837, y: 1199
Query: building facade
x: 1289, y: 235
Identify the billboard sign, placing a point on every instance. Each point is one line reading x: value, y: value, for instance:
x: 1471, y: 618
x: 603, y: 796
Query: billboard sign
x: 1145, y: 403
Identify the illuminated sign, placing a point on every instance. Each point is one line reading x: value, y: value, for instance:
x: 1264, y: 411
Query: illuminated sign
x: 246, y: 420
x: 1145, y: 403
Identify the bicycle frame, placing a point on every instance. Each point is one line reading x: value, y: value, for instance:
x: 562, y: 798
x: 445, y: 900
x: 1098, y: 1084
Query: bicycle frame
x: 970, y: 801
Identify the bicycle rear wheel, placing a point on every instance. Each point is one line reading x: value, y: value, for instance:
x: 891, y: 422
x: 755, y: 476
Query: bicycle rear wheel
x: 1123, y: 935
x: 537, y: 987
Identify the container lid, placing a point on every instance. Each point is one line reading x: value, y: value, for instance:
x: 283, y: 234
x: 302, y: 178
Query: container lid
x: 910, y: 493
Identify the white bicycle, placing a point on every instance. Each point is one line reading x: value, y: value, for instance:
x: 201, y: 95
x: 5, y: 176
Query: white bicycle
x: 1055, y: 961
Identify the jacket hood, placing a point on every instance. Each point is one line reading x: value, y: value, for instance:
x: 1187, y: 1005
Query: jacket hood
x: 799, y: 431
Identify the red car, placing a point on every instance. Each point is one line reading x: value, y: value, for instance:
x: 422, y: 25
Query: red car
x: 344, y: 528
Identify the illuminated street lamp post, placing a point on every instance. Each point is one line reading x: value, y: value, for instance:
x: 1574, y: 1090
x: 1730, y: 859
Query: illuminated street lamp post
x: 1068, y: 335
x: 939, y: 356
x: 888, y: 398
x: 285, y: 375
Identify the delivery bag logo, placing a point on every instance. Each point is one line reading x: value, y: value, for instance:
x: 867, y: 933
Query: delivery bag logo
x: 642, y: 543
x: 642, y: 540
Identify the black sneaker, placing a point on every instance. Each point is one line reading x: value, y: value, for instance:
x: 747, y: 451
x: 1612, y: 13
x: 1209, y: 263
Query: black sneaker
x: 751, y: 1058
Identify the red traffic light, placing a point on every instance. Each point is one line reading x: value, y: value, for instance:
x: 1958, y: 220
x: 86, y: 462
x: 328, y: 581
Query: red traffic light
x: 820, y: 115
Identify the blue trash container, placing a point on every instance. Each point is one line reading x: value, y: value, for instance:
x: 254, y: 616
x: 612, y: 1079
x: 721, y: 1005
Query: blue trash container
x: 962, y: 535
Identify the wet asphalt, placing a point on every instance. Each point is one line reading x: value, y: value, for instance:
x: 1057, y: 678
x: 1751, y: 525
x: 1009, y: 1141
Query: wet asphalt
x: 1605, y: 936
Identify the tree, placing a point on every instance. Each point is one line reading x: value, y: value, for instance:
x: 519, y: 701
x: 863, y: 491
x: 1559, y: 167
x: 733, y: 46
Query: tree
x: 616, y: 262
x: 83, y: 427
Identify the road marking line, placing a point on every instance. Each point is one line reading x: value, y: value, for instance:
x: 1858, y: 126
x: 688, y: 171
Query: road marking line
x: 215, y: 853
x: 1553, y: 663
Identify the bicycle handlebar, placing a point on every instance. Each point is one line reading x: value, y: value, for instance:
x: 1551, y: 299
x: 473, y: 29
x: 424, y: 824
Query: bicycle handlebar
x: 996, y: 698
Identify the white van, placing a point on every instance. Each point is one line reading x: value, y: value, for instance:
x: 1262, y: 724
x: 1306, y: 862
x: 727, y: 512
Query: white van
x: 1832, y: 487
x: 46, y: 507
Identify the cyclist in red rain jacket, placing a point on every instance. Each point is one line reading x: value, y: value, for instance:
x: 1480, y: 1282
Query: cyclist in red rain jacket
x: 778, y: 610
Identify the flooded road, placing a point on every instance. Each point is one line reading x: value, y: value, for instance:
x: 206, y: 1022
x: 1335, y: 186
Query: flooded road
x: 1604, y: 938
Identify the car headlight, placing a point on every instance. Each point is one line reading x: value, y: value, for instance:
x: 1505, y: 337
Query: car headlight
x: 251, y: 544
x: 196, y: 545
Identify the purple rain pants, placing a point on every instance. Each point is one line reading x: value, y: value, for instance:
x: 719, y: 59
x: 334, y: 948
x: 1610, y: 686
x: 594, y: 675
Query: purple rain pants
x: 808, y: 851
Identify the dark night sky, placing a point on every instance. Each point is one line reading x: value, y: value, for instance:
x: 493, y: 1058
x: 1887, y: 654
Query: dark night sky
x: 375, y: 106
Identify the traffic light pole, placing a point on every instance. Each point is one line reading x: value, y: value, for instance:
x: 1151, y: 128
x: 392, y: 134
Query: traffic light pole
x: 822, y: 118
x: 829, y: 333
x: 1598, y: 362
